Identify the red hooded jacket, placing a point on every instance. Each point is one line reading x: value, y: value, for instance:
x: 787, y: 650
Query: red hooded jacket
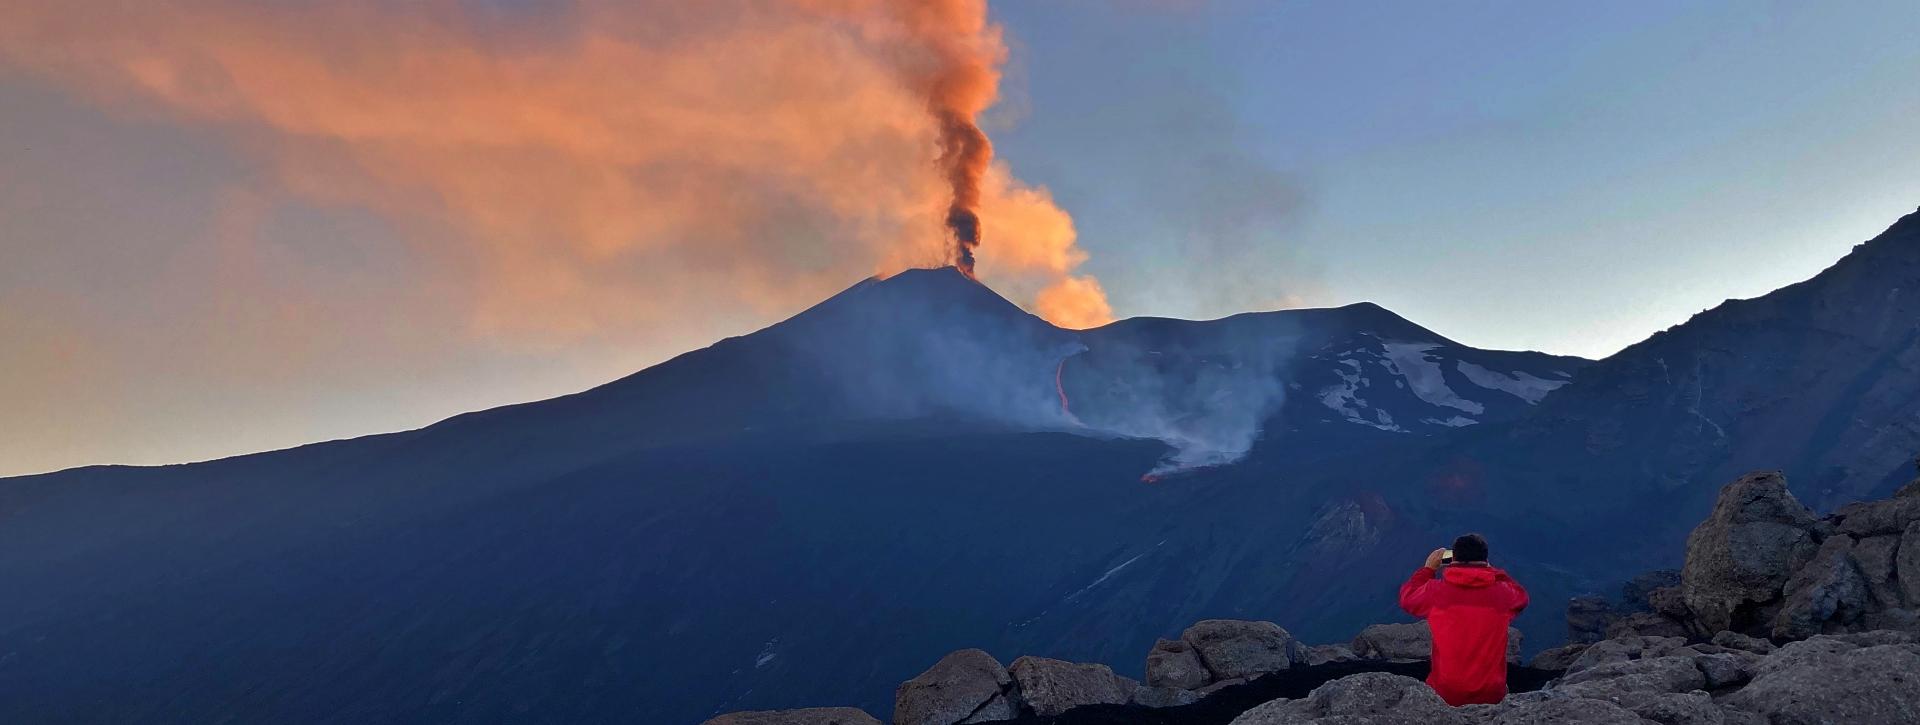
x: 1468, y: 608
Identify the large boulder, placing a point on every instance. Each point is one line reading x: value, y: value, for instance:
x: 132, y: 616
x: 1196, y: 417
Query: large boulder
x: 1375, y: 698
x: 1624, y: 649
x: 1828, y: 593
x: 1174, y: 664
x: 1826, y: 680
x: 1412, y: 641
x: 1736, y: 640
x: 1558, y: 658
x: 964, y: 686
x: 1615, y: 681
x: 1637, y: 594
x: 808, y: 716
x: 1232, y: 648
x: 1325, y: 653
x: 1549, y: 709
x: 1050, y: 687
x: 1744, y: 553
x: 1876, y: 556
x: 1873, y: 518
x: 1646, y: 624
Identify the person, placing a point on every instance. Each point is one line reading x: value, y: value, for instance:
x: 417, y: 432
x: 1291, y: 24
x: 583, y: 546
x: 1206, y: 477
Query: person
x: 1468, y: 606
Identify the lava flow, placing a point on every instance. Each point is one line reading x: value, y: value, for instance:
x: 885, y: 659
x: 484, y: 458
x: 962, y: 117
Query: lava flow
x: 1059, y: 387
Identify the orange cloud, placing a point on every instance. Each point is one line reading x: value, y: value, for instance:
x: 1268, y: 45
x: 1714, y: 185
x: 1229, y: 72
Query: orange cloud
x: 603, y: 166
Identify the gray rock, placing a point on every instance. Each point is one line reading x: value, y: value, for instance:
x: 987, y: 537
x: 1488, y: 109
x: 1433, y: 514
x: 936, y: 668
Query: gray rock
x: 1624, y: 649
x: 1234, y: 648
x: 1726, y: 669
x: 1646, y: 624
x: 1860, y: 685
x: 1872, y: 638
x: 1736, y: 640
x: 1757, y: 536
x: 1911, y: 490
x: 1907, y: 566
x: 1873, y: 518
x: 807, y: 716
x: 1827, y: 592
x: 952, y: 690
x: 1558, y: 658
x: 1373, y: 698
x: 1050, y: 687
x: 1164, y: 697
x: 1675, y: 708
x: 1670, y: 602
x: 1566, y: 711
x: 1412, y: 641
x: 1615, y: 681
x: 1876, y: 557
x: 1174, y: 664
x: 1588, y: 618
x: 1001, y: 707
x: 1322, y: 654
x: 1220, y: 685
x: 1637, y: 594
x: 1901, y: 620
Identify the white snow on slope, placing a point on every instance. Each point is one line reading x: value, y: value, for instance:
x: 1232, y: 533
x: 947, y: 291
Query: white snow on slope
x: 1518, y: 384
x: 1345, y: 399
x: 1423, y: 375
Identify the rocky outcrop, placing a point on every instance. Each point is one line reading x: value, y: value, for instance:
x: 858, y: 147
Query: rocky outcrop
x: 967, y: 686
x: 1412, y: 641
x: 1174, y: 664
x: 1826, y: 680
x: 1377, y: 698
x: 1050, y: 687
x: 808, y: 716
x: 1232, y: 648
x: 1742, y: 556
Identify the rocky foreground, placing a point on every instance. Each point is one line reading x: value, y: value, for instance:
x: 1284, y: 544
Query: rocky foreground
x: 1778, y: 616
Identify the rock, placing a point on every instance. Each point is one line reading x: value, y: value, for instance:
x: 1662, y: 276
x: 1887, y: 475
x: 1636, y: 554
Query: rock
x: 952, y: 690
x: 1736, y: 640
x: 1221, y: 685
x: 1588, y: 618
x: 1616, y: 680
x: 1173, y: 663
x: 1828, y: 591
x: 1670, y: 602
x: 1828, y: 685
x: 1001, y: 707
x: 1565, y: 711
x: 1646, y: 624
x: 807, y: 716
x: 1164, y: 697
x: 1637, y: 594
x: 1624, y: 649
x: 1050, y: 687
x: 1322, y: 654
x: 1412, y: 641
x: 1902, y: 620
x: 1557, y: 658
x: 1911, y: 490
x: 1873, y: 518
x: 1757, y: 536
x: 1876, y: 557
x: 1234, y: 648
x: 1675, y: 708
x: 1907, y: 566
x: 1375, y: 698
x: 1872, y: 638
x: 1726, y: 669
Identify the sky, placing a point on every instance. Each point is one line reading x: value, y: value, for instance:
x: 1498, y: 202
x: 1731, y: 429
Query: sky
x: 230, y: 226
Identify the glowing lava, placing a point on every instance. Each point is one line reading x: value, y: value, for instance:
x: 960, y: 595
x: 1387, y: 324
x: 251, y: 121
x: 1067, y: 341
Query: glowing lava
x: 1066, y: 408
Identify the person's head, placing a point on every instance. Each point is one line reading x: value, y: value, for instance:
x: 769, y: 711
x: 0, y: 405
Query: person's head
x: 1470, y: 549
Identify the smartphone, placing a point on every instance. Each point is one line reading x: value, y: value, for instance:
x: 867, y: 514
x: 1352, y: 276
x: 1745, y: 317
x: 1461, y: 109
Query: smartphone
x: 1446, y: 556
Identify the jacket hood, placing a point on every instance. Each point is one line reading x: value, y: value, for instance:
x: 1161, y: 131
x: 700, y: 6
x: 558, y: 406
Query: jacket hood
x: 1472, y: 576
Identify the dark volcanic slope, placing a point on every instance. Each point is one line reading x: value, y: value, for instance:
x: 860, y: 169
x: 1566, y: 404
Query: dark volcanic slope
x: 813, y: 513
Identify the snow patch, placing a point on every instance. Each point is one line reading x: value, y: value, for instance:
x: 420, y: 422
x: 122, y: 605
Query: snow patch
x: 1424, y: 377
x: 1345, y: 399
x: 766, y: 654
x: 1517, y: 384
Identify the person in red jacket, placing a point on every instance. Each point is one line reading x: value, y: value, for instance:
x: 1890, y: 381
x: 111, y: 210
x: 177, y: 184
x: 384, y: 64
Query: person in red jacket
x: 1468, y: 606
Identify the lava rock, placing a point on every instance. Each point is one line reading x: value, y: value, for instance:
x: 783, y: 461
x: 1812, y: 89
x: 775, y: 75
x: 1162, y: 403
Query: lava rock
x: 1736, y: 640
x: 1746, y: 550
x: 1376, y: 698
x: 1831, y: 682
x: 1646, y: 624
x: 1616, y: 680
x: 1588, y: 618
x: 1322, y: 654
x: 1412, y: 641
x: 1637, y: 594
x: 1558, y: 658
x: 1872, y: 518
x: 1174, y: 664
x: 807, y: 716
x: 1624, y: 649
x: 1051, y: 687
x: 1907, y: 565
x: 959, y: 686
x: 1233, y: 648
x: 1829, y: 591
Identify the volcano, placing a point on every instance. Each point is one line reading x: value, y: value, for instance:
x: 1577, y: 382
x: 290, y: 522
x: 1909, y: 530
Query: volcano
x: 814, y: 512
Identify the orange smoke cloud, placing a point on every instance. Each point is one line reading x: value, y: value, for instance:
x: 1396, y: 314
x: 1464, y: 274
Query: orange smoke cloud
x: 610, y: 164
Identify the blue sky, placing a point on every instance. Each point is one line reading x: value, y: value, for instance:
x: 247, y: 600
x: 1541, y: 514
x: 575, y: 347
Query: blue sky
x: 1568, y: 177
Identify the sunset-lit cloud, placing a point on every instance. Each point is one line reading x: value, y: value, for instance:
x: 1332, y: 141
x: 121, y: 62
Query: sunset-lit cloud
x: 602, y: 166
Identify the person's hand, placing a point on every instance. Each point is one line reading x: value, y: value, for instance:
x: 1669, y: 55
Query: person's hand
x: 1433, y: 559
